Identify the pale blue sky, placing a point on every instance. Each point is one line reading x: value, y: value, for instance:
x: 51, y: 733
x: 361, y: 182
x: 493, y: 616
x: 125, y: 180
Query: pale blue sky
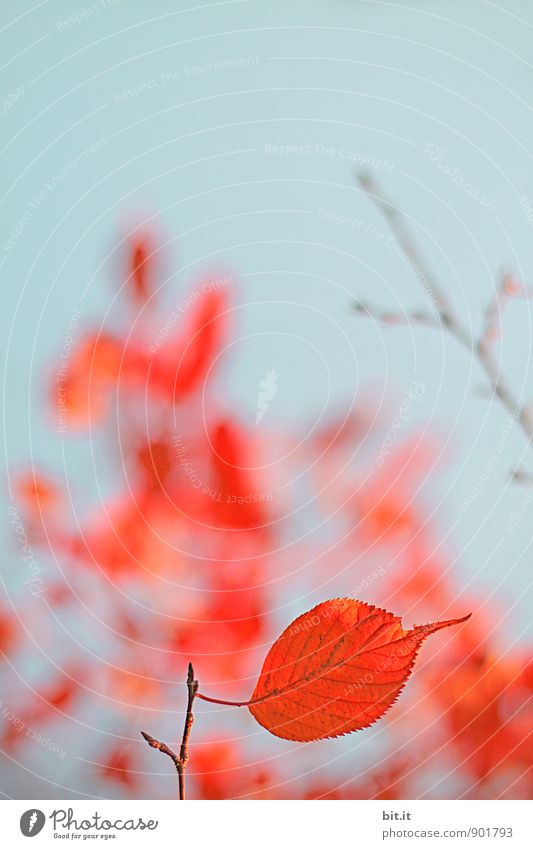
x: 162, y: 129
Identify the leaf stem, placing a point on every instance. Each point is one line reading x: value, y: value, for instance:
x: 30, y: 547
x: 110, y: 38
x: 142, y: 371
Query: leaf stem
x: 223, y: 701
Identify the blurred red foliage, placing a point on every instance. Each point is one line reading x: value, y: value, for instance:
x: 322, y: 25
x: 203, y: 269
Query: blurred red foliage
x: 8, y: 631
x: 190, y: 552
x: 42, y: 706
x: 120, y: 767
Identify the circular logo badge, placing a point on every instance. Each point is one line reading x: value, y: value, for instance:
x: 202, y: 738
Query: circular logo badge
x: 32, y: 822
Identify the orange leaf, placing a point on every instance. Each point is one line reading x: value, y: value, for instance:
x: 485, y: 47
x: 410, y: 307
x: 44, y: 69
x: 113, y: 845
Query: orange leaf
x: 336, y: 669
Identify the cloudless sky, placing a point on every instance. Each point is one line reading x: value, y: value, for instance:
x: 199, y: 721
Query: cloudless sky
x: 236, y: 127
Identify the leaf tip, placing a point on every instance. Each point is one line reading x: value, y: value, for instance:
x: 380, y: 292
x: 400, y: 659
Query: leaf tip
x: 464, y: 619
x: 431, y: 627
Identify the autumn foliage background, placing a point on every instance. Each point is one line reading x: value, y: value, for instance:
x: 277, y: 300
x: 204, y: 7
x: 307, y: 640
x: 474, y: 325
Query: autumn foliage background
x: 199, y: 553
x: 204, y: 439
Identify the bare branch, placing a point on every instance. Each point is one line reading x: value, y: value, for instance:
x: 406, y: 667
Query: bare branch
x: 480, y: 350
x: 385, y: 316
x: 180, y: 761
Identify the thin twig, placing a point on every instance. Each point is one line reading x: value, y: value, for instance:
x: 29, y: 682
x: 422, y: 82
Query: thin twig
x: 180, y: 761
x: 448, y: 319
x: 192, y: 687
x: 385, y: 316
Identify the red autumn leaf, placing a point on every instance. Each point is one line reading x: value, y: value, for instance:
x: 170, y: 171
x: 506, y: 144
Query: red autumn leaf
x: 336, y: 669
